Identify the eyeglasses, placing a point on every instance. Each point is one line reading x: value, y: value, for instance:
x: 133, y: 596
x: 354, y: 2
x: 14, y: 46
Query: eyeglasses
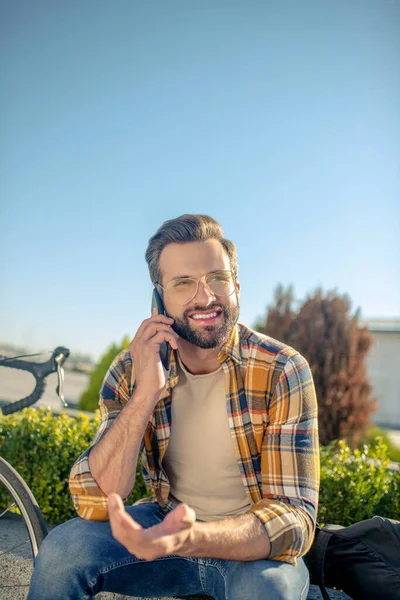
x: 183, y: 289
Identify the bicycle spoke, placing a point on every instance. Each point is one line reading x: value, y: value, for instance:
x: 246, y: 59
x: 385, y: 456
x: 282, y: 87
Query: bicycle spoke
x: 13, y: 505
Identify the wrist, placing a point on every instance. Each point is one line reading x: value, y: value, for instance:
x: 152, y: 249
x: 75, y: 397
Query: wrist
x: 143, y: 397
x: 139, y: 408
x: 193, y: 542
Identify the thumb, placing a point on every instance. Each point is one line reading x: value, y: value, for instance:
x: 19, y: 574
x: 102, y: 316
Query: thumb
x: 115, y: 501
x: 186, y: 514
x: 182, y: 517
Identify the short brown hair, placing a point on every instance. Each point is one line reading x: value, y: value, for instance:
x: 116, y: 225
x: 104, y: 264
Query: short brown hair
x: 186, y: 228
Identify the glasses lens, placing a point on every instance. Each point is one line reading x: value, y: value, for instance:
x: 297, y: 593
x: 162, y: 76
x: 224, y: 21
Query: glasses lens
x: 182, y: 290
x: 221, y: 283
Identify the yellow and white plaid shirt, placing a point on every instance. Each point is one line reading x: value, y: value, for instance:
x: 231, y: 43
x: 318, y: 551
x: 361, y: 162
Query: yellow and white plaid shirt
x: 273, y: 416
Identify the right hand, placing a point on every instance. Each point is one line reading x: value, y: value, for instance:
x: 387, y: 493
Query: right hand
x: 144, y: 349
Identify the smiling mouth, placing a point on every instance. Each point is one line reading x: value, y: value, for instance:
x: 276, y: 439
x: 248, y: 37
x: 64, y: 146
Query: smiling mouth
x: 206, y: 317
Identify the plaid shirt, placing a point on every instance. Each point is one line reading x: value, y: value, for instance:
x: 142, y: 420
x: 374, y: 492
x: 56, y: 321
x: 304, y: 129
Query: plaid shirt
x: 272, y: 412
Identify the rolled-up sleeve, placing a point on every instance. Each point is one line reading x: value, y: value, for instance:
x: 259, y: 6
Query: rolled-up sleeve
x: 88, y: 498
x: 290, y: 464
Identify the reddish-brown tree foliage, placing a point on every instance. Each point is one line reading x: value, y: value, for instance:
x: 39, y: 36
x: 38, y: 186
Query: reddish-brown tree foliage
x: 334, y: 344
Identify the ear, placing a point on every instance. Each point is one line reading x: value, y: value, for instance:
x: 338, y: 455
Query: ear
x: 237, y: 286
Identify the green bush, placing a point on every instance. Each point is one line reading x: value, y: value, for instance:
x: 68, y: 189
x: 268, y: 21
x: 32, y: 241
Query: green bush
x: 357, y: 484
x: 43, y: 447
x: 90, y: 398
x: 372, y: 433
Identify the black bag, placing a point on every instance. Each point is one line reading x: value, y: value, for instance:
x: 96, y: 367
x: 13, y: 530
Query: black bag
x: 363, y: 560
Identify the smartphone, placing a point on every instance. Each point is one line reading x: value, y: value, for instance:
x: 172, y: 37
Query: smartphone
x: 165, y: 348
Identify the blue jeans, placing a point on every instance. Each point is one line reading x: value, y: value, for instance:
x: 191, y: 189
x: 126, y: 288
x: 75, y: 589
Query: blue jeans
x: 79, y: 559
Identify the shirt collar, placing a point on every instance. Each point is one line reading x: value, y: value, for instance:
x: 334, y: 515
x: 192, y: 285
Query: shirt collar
x: 231, y: 349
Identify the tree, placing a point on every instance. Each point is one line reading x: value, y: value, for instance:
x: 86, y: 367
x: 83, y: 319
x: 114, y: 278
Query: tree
x: 90, y: 397
x: 335, y: 346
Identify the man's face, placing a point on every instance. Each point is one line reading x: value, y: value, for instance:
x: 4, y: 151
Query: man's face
x: 196, y: 259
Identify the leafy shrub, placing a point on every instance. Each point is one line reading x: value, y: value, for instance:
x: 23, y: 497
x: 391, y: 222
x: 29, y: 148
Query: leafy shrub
x: 43, y: 447
x: 90, y: 398
x: 372, y: 433
x: 356, y: 485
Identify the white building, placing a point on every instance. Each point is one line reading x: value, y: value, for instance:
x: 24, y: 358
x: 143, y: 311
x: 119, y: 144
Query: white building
x: 383, y: 364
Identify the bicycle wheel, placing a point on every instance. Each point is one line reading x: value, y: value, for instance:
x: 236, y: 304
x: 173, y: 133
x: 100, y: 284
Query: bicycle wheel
x: 22, y: 529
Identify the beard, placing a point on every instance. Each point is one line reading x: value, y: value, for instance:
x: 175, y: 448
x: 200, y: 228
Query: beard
x: 210, y: 336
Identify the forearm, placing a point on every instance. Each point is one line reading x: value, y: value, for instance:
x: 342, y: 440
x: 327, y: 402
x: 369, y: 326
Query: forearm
x: 241, y: 538
x: 113, y: 460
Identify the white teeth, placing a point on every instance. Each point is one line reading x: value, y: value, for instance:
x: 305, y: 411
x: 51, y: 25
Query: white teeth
x: 209, y: 316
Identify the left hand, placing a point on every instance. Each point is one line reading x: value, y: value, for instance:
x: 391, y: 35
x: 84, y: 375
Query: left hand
x: 165, y: 538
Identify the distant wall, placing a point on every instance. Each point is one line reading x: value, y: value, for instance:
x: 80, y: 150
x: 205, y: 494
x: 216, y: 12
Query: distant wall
x: 384, y: 372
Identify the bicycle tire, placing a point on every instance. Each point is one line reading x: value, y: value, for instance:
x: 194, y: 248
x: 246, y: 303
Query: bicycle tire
x: 25, y: 500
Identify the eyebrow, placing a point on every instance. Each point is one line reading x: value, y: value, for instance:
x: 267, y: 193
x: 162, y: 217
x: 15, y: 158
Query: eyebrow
x: 191, y: 276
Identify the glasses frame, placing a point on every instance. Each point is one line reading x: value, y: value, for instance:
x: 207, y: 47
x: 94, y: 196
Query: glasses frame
x: 234, y: 279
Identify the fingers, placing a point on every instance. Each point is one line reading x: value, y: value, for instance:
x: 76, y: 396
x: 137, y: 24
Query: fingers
x: 155, y: 328
x: 161, y: 337
x: 183, y: 513
x: 155, y: 316
x: 123, y: 527
x: 154, y: 319
x: 187, y: 514
x: 115, y: 503
x: 155, y: 325
x: 158, y: 540
x: 159, y: 318
x: 118, y: 514
x: 182, y: 517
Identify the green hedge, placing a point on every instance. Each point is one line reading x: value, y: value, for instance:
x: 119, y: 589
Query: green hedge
x: 89, y: 400
x: 42, y: 447
x: 372, y: 433
x: 355, y: 485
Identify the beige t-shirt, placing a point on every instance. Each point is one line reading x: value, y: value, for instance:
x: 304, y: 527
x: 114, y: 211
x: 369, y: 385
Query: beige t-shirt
x: 200, y: 459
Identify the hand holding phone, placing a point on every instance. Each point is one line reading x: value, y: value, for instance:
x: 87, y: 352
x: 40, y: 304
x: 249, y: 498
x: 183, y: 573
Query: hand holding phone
x: 165, y: 348
x: 150, y: 349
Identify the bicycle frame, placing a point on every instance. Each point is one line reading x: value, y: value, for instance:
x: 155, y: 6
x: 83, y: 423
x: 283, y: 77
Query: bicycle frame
x: 40, y: 371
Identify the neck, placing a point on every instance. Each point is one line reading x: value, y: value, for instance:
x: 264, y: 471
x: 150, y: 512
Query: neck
x: 198, y: 361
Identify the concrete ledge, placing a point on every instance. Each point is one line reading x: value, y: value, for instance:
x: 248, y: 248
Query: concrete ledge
x: 314, y: 594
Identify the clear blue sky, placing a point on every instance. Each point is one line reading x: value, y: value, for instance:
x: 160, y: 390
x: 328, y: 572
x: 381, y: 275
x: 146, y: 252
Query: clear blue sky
x: 279, y: 119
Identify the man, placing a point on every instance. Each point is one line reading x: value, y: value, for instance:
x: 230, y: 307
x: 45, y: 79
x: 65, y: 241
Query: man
x: 229, y: 441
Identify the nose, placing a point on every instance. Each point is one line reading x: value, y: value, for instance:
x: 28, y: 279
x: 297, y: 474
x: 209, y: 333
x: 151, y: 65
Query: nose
x: 204, y: 295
